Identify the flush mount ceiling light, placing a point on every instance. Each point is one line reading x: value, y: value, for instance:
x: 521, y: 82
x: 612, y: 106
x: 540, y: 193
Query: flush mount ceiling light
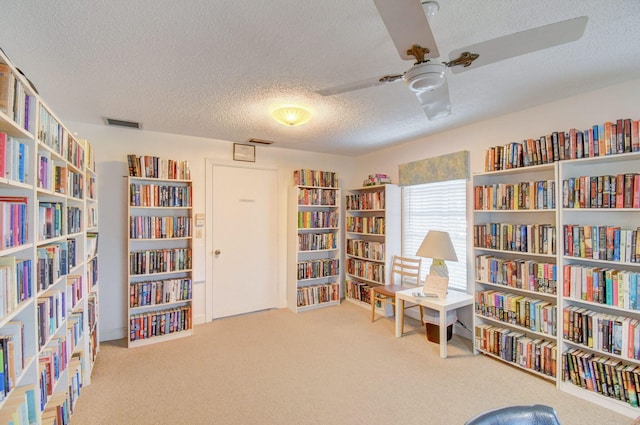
x: 291, y: 115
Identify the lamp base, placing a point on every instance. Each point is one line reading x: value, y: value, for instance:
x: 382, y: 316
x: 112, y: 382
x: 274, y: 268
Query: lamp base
x: 439, y: 268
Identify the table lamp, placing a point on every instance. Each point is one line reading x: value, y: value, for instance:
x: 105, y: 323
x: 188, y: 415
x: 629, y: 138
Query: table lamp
x: 437, y: 245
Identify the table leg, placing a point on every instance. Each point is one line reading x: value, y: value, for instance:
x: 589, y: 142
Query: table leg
x: 399, y: 316
x: 443, y: 334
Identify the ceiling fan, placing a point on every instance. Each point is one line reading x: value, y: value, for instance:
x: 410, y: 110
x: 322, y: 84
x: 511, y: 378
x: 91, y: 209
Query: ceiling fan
x: 410, y: 32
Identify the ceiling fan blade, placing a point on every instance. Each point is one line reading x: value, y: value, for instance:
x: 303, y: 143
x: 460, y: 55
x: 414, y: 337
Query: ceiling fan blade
x: 357, y: 85
x: 521, y: 43
x: 435, y: 103
x: 407, y: 25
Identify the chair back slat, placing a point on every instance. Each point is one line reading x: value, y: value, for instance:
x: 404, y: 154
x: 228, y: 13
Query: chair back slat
x: 405, y: 271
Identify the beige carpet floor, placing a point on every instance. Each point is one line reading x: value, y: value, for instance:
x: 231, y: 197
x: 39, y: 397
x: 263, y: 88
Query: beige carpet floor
x: 326, y: 366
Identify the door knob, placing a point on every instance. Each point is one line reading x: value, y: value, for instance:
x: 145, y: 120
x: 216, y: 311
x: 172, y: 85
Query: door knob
x: 217, y: 252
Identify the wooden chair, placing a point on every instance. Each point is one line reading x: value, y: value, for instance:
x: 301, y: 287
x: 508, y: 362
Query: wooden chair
x: 405, y: 273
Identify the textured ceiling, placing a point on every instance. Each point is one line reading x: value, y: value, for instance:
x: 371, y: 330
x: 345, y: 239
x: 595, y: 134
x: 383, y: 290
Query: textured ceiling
x: 216, y: 68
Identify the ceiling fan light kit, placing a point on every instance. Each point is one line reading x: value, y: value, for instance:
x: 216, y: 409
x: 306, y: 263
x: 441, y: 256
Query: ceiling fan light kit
x: 291, y: 116
x: 425, y: 76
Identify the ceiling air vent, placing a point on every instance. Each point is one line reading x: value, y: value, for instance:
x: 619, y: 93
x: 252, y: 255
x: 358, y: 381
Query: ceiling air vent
x: 122, y: 123
x: 261, y: 141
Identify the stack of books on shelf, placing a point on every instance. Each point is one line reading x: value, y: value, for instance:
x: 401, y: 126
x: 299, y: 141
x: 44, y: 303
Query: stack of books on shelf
x: 376, y: 179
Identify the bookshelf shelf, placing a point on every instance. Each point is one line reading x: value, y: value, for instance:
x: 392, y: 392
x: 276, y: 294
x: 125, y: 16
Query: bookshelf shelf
x: 313, y: 241
x: 160, y: 238
x: 43, y: 317
x: 372, y: 238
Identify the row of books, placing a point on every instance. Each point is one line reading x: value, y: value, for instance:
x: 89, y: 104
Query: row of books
x: 21, y: 408
x: 15, y: 283
x: 50, y: 220
x: 619, y: 191
x: 51, y: 264
x: 317, y: 294
x: 318, y: 268
x: 528, y: 195
x: 51, y: 311
x: 318, y: 219
x: 12, y: 356
x: 530, y: 238
x: 155, y: 167
x: 609, y: 243
x: 91, y: 244
x: 52, y: 362
x: 14, y: 159
x: 92, y: 272
x: 153, y: 195
x: 376, y: 179
x: 366, y: 201
x: 315, y: 178
x: 605, y: 332
x: 145, y: 227
x: 606, y: 376
x: 316, y: 196
x: 13, y: 221
x: 367, y: 270
x: 159, y: 322
x: 371, y: 225
x: 618, y: 288
x: 75, y: 290
x: 15, y: 101
x: 52, y: 134
x: 159, y: 292
x: 92, y: 216
x: 530, y: 313
x: 366, y: 249
x: 74, y: 220
x: 609, y: 138
x: 159, y: 261
x: 358, y: 291
x: 317, y: 241
x: 75, y: 328
x: 536, y: 354
x: 517, y: 273
x: 92, y: 186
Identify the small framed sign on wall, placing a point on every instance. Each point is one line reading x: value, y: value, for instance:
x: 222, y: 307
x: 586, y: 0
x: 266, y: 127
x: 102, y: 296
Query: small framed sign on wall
x: 242, y: 152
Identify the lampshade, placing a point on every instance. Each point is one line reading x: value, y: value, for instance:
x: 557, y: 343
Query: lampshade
x: 437, y: 245
x: 291, y: 115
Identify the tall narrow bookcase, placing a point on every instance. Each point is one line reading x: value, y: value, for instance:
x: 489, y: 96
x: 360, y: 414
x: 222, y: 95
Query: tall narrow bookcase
x: 372, y: 238
x: 515, y: 238
x: 159, y: 234
x: 600, y: 267
x: 314, y: 241
x: 570, y: 313
x: 46, y: 348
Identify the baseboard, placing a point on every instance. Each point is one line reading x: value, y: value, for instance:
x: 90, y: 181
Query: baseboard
x: 112, y: 334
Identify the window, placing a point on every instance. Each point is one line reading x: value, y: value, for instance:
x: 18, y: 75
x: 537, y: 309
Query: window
x: 437, y: 206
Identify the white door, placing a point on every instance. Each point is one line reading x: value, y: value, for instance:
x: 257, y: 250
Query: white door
x: 244, y: 240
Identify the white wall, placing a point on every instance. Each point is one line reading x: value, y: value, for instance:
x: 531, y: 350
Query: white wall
x: 111, y: 147
x: 581, y: 112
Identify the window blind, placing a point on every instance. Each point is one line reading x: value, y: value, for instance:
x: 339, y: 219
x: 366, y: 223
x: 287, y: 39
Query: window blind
x: 437, y: 206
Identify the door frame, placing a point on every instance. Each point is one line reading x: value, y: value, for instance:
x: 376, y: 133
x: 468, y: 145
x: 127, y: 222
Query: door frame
x: 281, y: 244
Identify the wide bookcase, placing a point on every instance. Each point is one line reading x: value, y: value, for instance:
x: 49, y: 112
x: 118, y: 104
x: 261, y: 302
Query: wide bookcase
x: 159, y: 234
x: 48, y: 258
x: 557, y: 260
x: 372, y: 238
x: 314, y: 247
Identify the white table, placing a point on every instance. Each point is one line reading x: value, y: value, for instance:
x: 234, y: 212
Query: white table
x: 453, y: 301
